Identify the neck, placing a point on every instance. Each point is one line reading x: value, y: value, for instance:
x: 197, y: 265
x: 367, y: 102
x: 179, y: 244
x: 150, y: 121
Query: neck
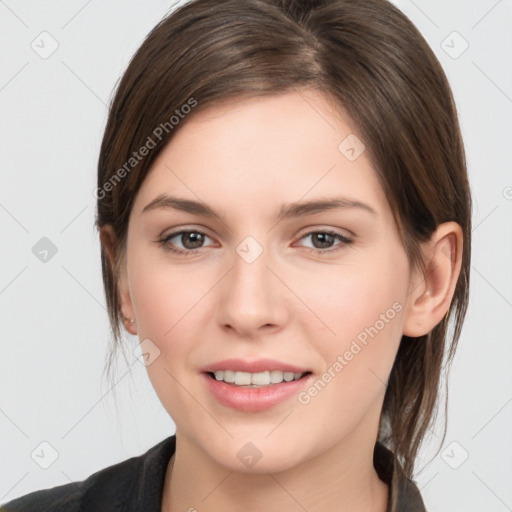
x: 343, y: 479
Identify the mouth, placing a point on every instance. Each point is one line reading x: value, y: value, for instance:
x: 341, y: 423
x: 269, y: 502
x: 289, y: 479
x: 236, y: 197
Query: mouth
x: 254, y: 392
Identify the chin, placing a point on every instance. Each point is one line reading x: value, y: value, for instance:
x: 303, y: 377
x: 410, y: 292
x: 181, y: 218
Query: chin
x: 253, y: 456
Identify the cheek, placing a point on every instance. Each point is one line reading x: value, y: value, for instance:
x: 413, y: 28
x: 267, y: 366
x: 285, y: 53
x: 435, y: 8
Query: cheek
x: 169, y: 301
x: 348, y: 298
x: 167, y: 304
x: 165, y: 297
x: 361, y: 310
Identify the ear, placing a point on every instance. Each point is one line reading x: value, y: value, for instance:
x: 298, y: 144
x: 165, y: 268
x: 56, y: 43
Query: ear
x: 107, y: 238
x: 431, y: 292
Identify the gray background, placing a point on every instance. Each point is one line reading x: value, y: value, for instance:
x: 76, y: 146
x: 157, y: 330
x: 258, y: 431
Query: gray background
x: 54, y: 322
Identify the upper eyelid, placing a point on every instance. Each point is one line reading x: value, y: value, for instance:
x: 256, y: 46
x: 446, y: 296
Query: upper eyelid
x: 344, y: 232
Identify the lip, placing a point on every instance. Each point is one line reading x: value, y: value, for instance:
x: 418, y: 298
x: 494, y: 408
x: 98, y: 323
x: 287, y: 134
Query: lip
x: 259, y: 365
x: 254, y: 399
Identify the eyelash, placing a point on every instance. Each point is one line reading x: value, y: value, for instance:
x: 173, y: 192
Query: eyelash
x: 319, y: 252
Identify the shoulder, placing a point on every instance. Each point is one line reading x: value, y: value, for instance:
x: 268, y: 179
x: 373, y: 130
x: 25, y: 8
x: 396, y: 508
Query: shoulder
x: 57, y: 499
x: 119, y: 486
x: 110, y: 483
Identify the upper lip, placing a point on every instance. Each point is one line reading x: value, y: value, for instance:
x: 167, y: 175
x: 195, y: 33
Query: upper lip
x: 259, y: 365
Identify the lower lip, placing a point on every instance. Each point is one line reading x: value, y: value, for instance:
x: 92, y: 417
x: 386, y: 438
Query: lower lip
x: 254, y: 399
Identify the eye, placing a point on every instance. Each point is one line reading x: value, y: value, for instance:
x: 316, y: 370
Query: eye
x: 191, y: 240
x: 322, y: 241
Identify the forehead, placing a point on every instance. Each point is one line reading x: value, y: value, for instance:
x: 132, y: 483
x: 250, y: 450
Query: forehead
x: 264, y: 151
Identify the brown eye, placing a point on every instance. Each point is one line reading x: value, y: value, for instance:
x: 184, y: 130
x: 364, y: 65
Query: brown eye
x: 190, y: 241
x: 323, y: 241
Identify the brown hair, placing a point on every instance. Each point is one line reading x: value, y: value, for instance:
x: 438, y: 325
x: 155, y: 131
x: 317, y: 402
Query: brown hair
x: 371, y: 61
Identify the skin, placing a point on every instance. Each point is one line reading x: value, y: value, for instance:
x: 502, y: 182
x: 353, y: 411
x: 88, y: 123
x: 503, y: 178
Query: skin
x: 245, y: 160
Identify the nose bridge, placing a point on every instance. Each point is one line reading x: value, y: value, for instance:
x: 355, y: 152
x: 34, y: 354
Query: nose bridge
x: 250, y: 275
x: 249, y: 297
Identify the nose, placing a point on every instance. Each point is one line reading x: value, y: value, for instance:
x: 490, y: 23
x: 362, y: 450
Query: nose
x: 252, y: 299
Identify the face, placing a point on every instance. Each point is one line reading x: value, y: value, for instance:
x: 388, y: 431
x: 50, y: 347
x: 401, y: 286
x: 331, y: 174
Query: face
x: 321, y: 291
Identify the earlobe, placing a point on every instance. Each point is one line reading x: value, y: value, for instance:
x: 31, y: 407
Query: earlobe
x: 129, y: 325
x: 107, y: 238
x: 432, y: 292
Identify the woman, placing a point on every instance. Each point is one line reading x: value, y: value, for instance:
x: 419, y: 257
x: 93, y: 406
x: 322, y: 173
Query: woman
x: 285, y: 221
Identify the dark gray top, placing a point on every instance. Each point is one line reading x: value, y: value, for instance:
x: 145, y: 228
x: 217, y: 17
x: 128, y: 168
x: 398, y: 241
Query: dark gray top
x: 136, y: 484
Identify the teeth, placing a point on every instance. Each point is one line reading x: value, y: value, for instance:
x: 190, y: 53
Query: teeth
x: 255, y: 380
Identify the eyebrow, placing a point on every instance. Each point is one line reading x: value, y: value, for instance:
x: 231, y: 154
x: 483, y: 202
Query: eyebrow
x: 287, y: 211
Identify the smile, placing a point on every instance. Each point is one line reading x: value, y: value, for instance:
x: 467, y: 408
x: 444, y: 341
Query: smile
x: 255, y: 397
